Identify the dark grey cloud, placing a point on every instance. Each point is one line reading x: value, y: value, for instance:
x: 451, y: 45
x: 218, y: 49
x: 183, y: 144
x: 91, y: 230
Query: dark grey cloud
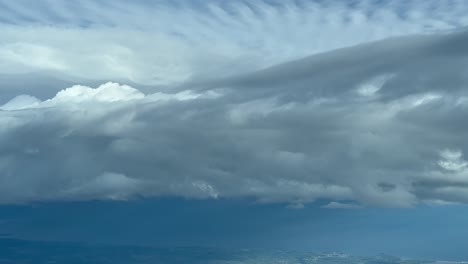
x: 380, y: 124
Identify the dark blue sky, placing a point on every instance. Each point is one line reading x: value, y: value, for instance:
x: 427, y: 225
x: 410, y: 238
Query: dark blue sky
x: 422, y: 232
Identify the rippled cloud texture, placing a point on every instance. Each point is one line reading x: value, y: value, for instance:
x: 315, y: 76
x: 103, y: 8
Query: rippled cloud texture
x: 279, y: 102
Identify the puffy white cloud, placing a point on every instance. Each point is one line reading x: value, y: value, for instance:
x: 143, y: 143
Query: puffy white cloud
x: 109, y: 92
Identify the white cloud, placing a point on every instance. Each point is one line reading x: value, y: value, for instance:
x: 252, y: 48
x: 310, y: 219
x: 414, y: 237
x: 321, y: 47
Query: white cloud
x: 339, y: 205
x: 109, y: 92
x: 372, y: 87
x: 166, y: 43
x: 452, y: 160
x: 106, y: 93
x: 18, y: 56
x: 21, y: 102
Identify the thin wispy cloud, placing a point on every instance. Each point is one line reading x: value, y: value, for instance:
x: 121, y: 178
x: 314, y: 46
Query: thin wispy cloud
x: 165, y: 42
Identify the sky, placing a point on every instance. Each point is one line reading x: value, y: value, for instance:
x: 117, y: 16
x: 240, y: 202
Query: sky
x: 317, y: 125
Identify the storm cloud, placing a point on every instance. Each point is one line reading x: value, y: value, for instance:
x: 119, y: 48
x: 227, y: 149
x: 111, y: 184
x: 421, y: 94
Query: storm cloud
x: 377, y: 124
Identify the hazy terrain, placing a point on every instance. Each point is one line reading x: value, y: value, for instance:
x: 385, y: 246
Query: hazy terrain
x: 22, y: 251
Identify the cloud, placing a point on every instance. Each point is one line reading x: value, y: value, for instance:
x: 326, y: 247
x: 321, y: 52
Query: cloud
x: 169, y: 42
x: 105, y: 186
x: 222, y: 101
x: 109, y: 92
x: 292, y: 133
x: 339, y: 205
x: 21, y: 102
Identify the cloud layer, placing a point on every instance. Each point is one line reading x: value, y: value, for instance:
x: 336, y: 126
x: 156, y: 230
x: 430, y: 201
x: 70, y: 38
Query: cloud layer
x: 379, y: 124
x: 167, y: 42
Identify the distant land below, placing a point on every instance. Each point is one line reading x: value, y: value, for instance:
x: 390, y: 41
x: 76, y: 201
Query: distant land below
x: 42, y: 252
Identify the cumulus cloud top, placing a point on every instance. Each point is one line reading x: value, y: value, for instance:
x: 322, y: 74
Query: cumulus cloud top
x: 109, y: 92
x: 380, y: 124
